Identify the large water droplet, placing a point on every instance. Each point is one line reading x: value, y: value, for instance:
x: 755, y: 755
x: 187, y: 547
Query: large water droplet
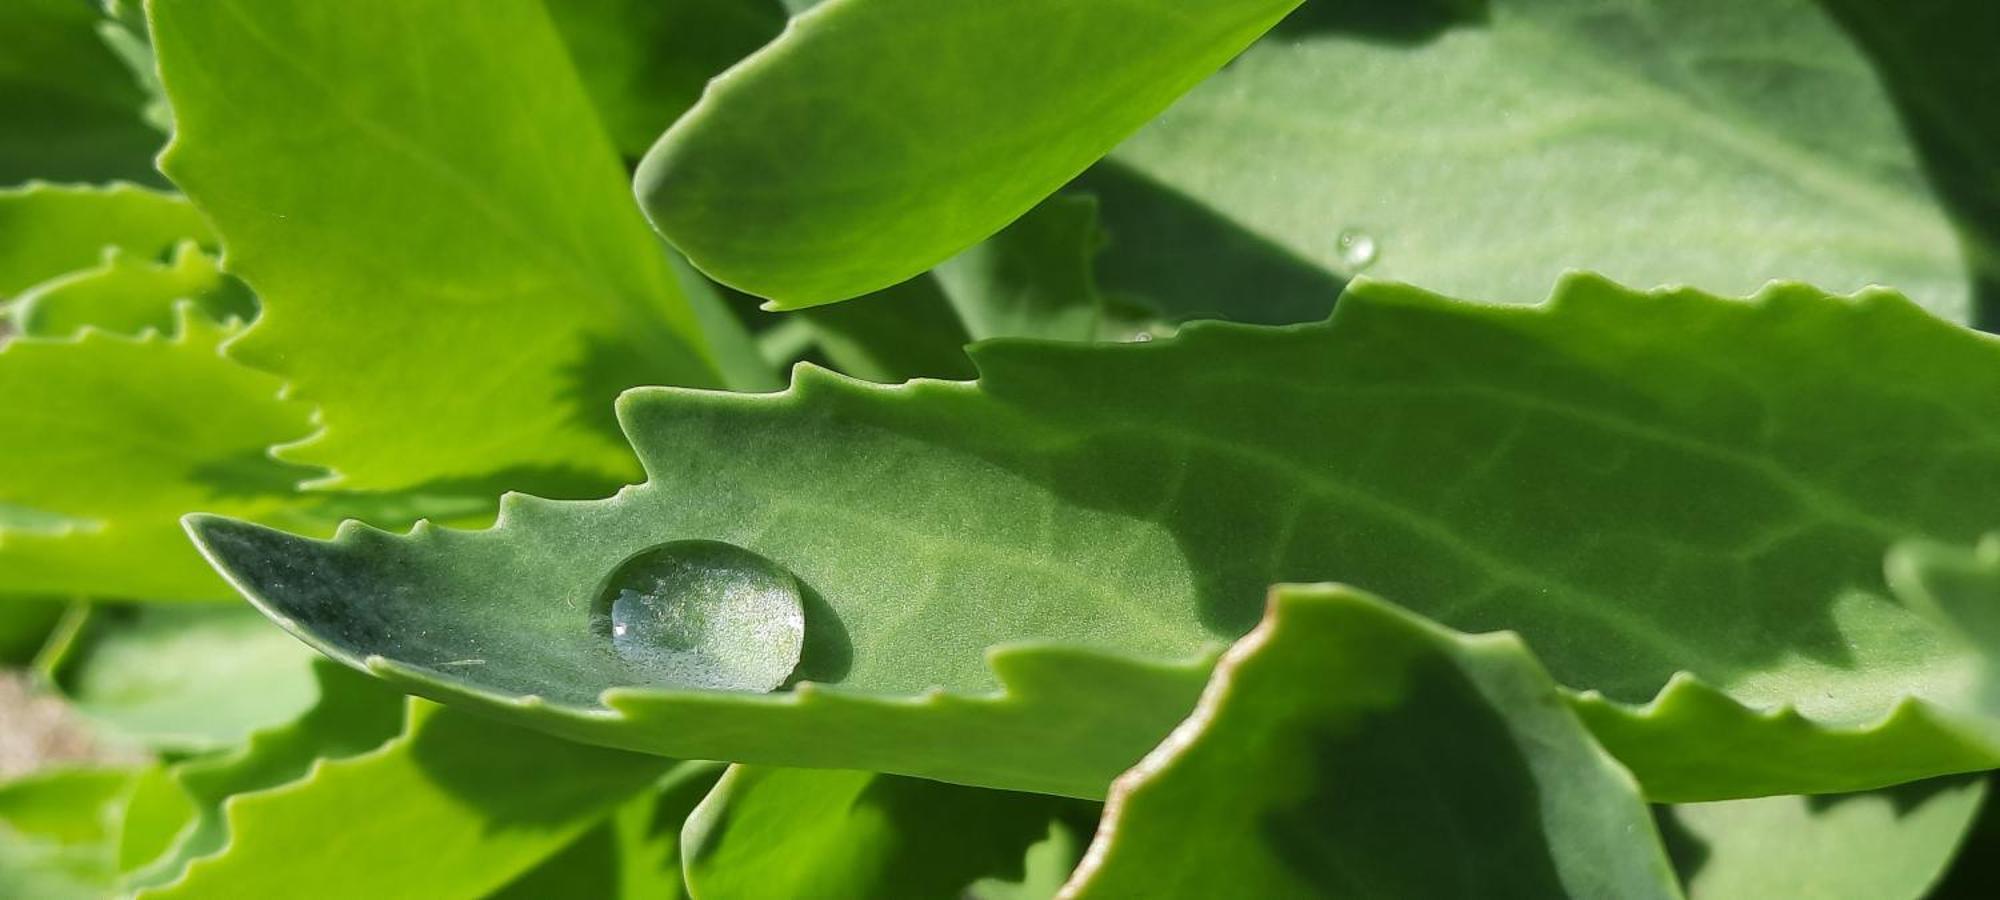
x: 703, y: 614
x: 1357, y: 249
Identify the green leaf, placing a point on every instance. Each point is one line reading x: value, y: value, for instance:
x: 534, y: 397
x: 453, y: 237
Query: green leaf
x: 820, y: 832
x: 1931, y: 55
x: 1486, y: 147
x: 47, y: 230
x: 456, y: 807
x: 106, y: 440
x: 72, y: 109
x: 58, y: 833
x: 127, y: 295
x: 1391, y: 758
x: 185, y: 679
x: 644, y: 62
x: 902, y: 332
x: 636, y: 853
x: 1640, y: 484
x: 1034, y: 278
x: 25, y: 624
x: 1171, y: 255
x: 876, y: 138
x: 1881, y: 845
x: 416, y: 192
x: 179, y: 817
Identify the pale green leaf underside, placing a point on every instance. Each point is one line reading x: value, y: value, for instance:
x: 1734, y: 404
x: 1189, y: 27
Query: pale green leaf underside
x: 1890, y: 844
x: 1488, y: 146
x: 876, y: 138
x: 1418, y: 763
x: 184, y: 679
x: 818, y: 832
x: 453, y: 270
x: 1639, y: 484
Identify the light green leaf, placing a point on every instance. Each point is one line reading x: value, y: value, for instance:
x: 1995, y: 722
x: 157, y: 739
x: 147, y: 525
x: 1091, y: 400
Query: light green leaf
x: 1391, y: 758
x: 126, y: 295
x: 109, y: 439
x: 822, y: 832
x: 58, y: 833
x: 179, y: 817
x: 1890, y: 844
x: 876, y: 138
x: 1640, y: 484
x: 185, y: 679
x: 1486, y: 147
x: 458, y: 806
x: 47, y: 230
x: 645, y: 62
x: 416, y: 192
x: 71, y: 108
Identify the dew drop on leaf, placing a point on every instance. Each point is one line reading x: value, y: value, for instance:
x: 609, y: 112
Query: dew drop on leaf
x: 1357, y: 249
x: 702, y: 614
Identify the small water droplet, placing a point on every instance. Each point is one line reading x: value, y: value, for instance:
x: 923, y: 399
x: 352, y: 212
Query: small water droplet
x: 703, y: 614
x: 1142, y: 337
x: 1357, y: 249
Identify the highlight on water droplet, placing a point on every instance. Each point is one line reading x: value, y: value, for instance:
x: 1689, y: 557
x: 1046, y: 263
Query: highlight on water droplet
x: 1357, y: 249
x: 702, y: 614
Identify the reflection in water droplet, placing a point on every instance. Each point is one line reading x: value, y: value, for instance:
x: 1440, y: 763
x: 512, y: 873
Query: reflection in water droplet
x: 703, y: 614
x: 1142, y: 337
x: 1356, y: 248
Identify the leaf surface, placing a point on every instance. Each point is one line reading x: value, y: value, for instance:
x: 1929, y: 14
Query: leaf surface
x: 1391, y: 758
x: 127, y: 295
x: 1484, y: 147
x: 456, y: 807
x: 644, y: 62
x: 74, y: 111
x: 876, y: 138
x: 417, y: 192
x: 47, y: 230
x: 1640, y: 484
x: 108, y: 439
x: 185, y: 679
x: 58, y: 833
x: 768, y: 832
x: 636, y: 853
x: 179, y: 817
x: 1881, y: 845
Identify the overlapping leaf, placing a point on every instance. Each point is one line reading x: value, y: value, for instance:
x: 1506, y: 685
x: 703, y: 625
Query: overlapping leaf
x: 1881, y: 845
x: 126, y: 295
x: 876, y: 138
x: 48, y: 230
x: 1486, y: 146
x: 456, y: 807
x: 111, y: 438
x: 804, y: 832
x: 1419, y: 763
x: 1640, y: 484
x: 416, y: 192
x: 72, y: 108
